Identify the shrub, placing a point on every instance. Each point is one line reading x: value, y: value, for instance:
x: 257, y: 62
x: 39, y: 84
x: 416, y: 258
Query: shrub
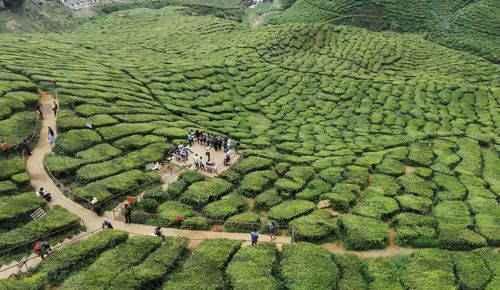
x: 332, y: 175
x: 17, y: 209
x: 243, y: 222
x: 256, y: 182
x: 415, y: 230
x: 227, y: 206
x: 428, y: 270
x: 231, y: 176
x: 340, y: 201
x: 98, y: 153
x: 416, y: 185
x: 471, y: 270
x: 282, y: 168
x: 10, y: 166
x: 414, y: 203
x: 190, y: 177
x: 62, y: 165
x: 21, y: 179
x: 169, y: 210
x: 201, y: 193
x: 391, y: 167
x: 290, y: 209
x: 195, y: 223
x: 150, y: 273
x: 60, y: 264
x: 171, y: 133
x: 137, y: 141
x: 111, y: 263
x: 488, y: 226
x: 420, y: 154
x: 133, y: 160
x: 287, y: 186
x: 267, y: 199
x: 105, y: 188
x: 454, y: 190
x: 35, y: 282
x: 376, y: 206
x: 362, y: 233
x: 203, y: 269
x: 382, y: 274
x: 452, y: 214
x: 387, y: 183
x: 351, y: 270
x: 125, y: 129
x: 252, y: 268
x: 460, y: 239
x: 252, y: 163
x: 300, y: 174
x: 76, y: 140
x: 314, y: 226
x: 55, y: 219
x: 307, y: 266
x: 7, y: 188
x: 356, y: 175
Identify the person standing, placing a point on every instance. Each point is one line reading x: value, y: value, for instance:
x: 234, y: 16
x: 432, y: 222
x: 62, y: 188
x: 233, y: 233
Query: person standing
x: 26, y: 146
x: 55, y: 108
x: 207, y: 151
x: 272, y: 230
x: 128, y: 214
x: 255, y: 237
x: 39, y: 112
x: 52, y: 137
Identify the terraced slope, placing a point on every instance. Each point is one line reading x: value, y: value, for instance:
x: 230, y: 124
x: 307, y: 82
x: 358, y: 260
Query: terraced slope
x: 465, y: 25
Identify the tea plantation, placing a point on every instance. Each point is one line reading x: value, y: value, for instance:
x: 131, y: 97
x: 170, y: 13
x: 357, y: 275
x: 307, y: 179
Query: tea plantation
x: 108, y: 260
x: 367, y: 125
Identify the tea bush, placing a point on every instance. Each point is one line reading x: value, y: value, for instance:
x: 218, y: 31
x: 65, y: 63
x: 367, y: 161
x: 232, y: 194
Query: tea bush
x: 290, y: 209
x: 307, y: 266
x: 100, y: 275
x: 252, y: 268
x: 361, y: 233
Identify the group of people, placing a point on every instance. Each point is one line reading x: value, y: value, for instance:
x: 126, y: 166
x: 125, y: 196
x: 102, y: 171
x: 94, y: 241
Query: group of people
x: 254, y: 235
x: 55, y: 108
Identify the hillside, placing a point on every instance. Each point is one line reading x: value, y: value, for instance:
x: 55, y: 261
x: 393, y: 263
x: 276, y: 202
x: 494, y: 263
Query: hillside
x: 375, y: 135
x: 465, y: 25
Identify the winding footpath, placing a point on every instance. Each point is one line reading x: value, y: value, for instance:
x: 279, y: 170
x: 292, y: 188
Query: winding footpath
x: 40, y: 178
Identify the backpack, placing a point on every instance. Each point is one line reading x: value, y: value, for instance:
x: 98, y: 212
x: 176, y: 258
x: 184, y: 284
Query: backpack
x: 38, y: 247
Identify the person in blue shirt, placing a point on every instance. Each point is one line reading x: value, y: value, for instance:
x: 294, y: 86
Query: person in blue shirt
x: 255, y: 237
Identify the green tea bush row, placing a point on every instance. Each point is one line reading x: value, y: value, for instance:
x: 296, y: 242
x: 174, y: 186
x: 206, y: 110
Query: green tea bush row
x: 55, y: 219
x: 101, y: 273
x: 253, y: 267
x: 153, y: 269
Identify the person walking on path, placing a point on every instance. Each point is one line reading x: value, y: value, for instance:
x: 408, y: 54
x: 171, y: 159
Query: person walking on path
x: 39, y: 111
x: 55, y: 108
x: 52, y: 137
x: 272, y: 230
x: 26, y: 146
x: 254, y: 237
x: 106, y: 224
x: 128, y: 214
